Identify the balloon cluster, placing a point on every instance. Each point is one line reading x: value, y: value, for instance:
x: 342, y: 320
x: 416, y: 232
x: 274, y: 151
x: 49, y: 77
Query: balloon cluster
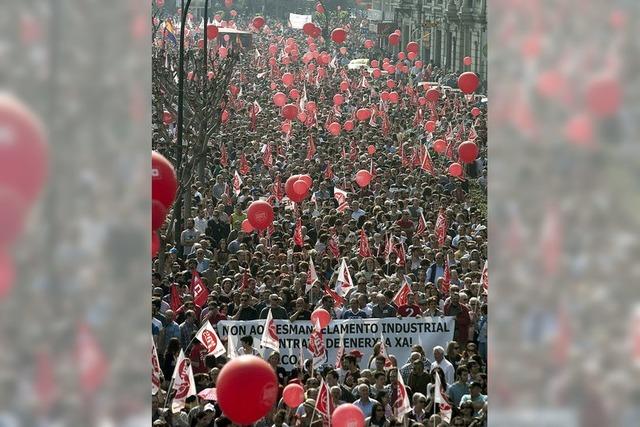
x: 297, y: 187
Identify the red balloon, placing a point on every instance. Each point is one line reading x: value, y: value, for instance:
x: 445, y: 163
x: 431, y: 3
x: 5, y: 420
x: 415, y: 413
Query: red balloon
x: 279, y: 99
x: 475, y: 112
x: 300, y: 188
x: 368, y: 44
x: 430, y: 126
x: 319, y: 8
x: 309, y: 29
x: 390, y: 69
x: 371, y: 149
x: 391, y: 84
x: 13, y: 211
x: 164, y: 182
x: 201, y: 44
x: 212, y: 31
x: 294, y: 94
x: 374, y: 63
x: 384, y: 95
x: 433, y: 95
x: 348, y: 125
x: 293, y: 395
x: 223, y: 52
x: 325, y: 58
x: 412, y: 55
x: 155, y: 245
x: 338, y: 99
x: 363, y: 114
x: 322, y: 316
x: 455, y: 169
x: 23, y: 150
x: 467, y: 60
x: 260, y: 214
x: 302, y: 117
x: 290, y: 111
x: 394, y: 39
x: 344, y: 86
x: 440, y: 145
x: 334, y: 129
x: 258, y: 22
x: 394, y: 97
x: 158, y: 214
x: 363, y: 178
x: 468, y: 82
x: 246, y: 379
x: 307, y: 179
x: 413, y: 47
x: 604, y: 96
x: 401, y: 56
x: 338, y: 35
x: 418, y: 64
x: 422, y: 100
x: 246, y: 226
x: 294, y: 195
x: 347, y: 415
x: 468, y: 152
x: 376, y: 73
x: 287, y: 79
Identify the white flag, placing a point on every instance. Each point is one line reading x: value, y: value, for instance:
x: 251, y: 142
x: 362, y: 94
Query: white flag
x: 312, y: 276
x: 231, y: 347
x: 156, y: 372
x: 269, y: 335
x: 183, y: 383
x: 438, y: 397
x: 344, y: 282
x: 401, y: 406
x: 207, y: 336
x: 341, y: 197
x: 237, y: 183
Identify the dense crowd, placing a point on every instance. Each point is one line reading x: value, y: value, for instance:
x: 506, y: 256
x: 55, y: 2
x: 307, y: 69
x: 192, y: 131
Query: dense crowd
x: 250, y: 273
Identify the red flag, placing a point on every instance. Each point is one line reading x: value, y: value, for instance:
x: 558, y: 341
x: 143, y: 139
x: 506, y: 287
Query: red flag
x: 183, y: 382
x: 384, y: 352
x: 440, y: 398
x: 422, y: 225
x: 270, y: 337
x: 332, y: 245
x: 401, y: 296
x: 364, y: 250
x: 441, y: 227
x: 312, y: 276
x: 340, y: 352
x: 209, y: 338
x: 224, y: 157
x: 267, y: 158
x: 297, y: 234
x: 427, y: 163
x: 244, y: 165
x: 344, y: 283
x: 402, y: 256
x: 311, y: 148
x: 244, y: 281
x: 200, y: 291
x: 328, y: 172
x: 156, y: 372
x: 91, y: 361
x: 175, y: 302
x: 353, y: 152
x: 337, y: 299
x: 237, y: 183
x: 324, y: 403
x: 277, y: 188
x: 485, y: 276
x: 389, y: 246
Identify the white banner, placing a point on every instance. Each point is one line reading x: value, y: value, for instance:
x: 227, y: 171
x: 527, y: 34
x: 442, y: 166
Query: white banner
x: 359, y: 334
x: 298, y: 21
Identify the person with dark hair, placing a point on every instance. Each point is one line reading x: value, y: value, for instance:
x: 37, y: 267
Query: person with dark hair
x: 378, y: 417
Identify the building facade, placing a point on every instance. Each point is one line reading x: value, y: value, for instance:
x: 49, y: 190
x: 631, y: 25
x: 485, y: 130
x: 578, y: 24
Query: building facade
x: 447, y: 30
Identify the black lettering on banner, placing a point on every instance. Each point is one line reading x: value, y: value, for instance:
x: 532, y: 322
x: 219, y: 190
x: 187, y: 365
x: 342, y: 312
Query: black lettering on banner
x: 427, y: 326
x: 387, y: 342
x: 289, y: 359
x: 374, y: 328
x: 256, y: 330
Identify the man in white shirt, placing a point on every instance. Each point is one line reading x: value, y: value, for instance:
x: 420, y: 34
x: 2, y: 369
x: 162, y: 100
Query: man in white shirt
x: 444, y: 364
